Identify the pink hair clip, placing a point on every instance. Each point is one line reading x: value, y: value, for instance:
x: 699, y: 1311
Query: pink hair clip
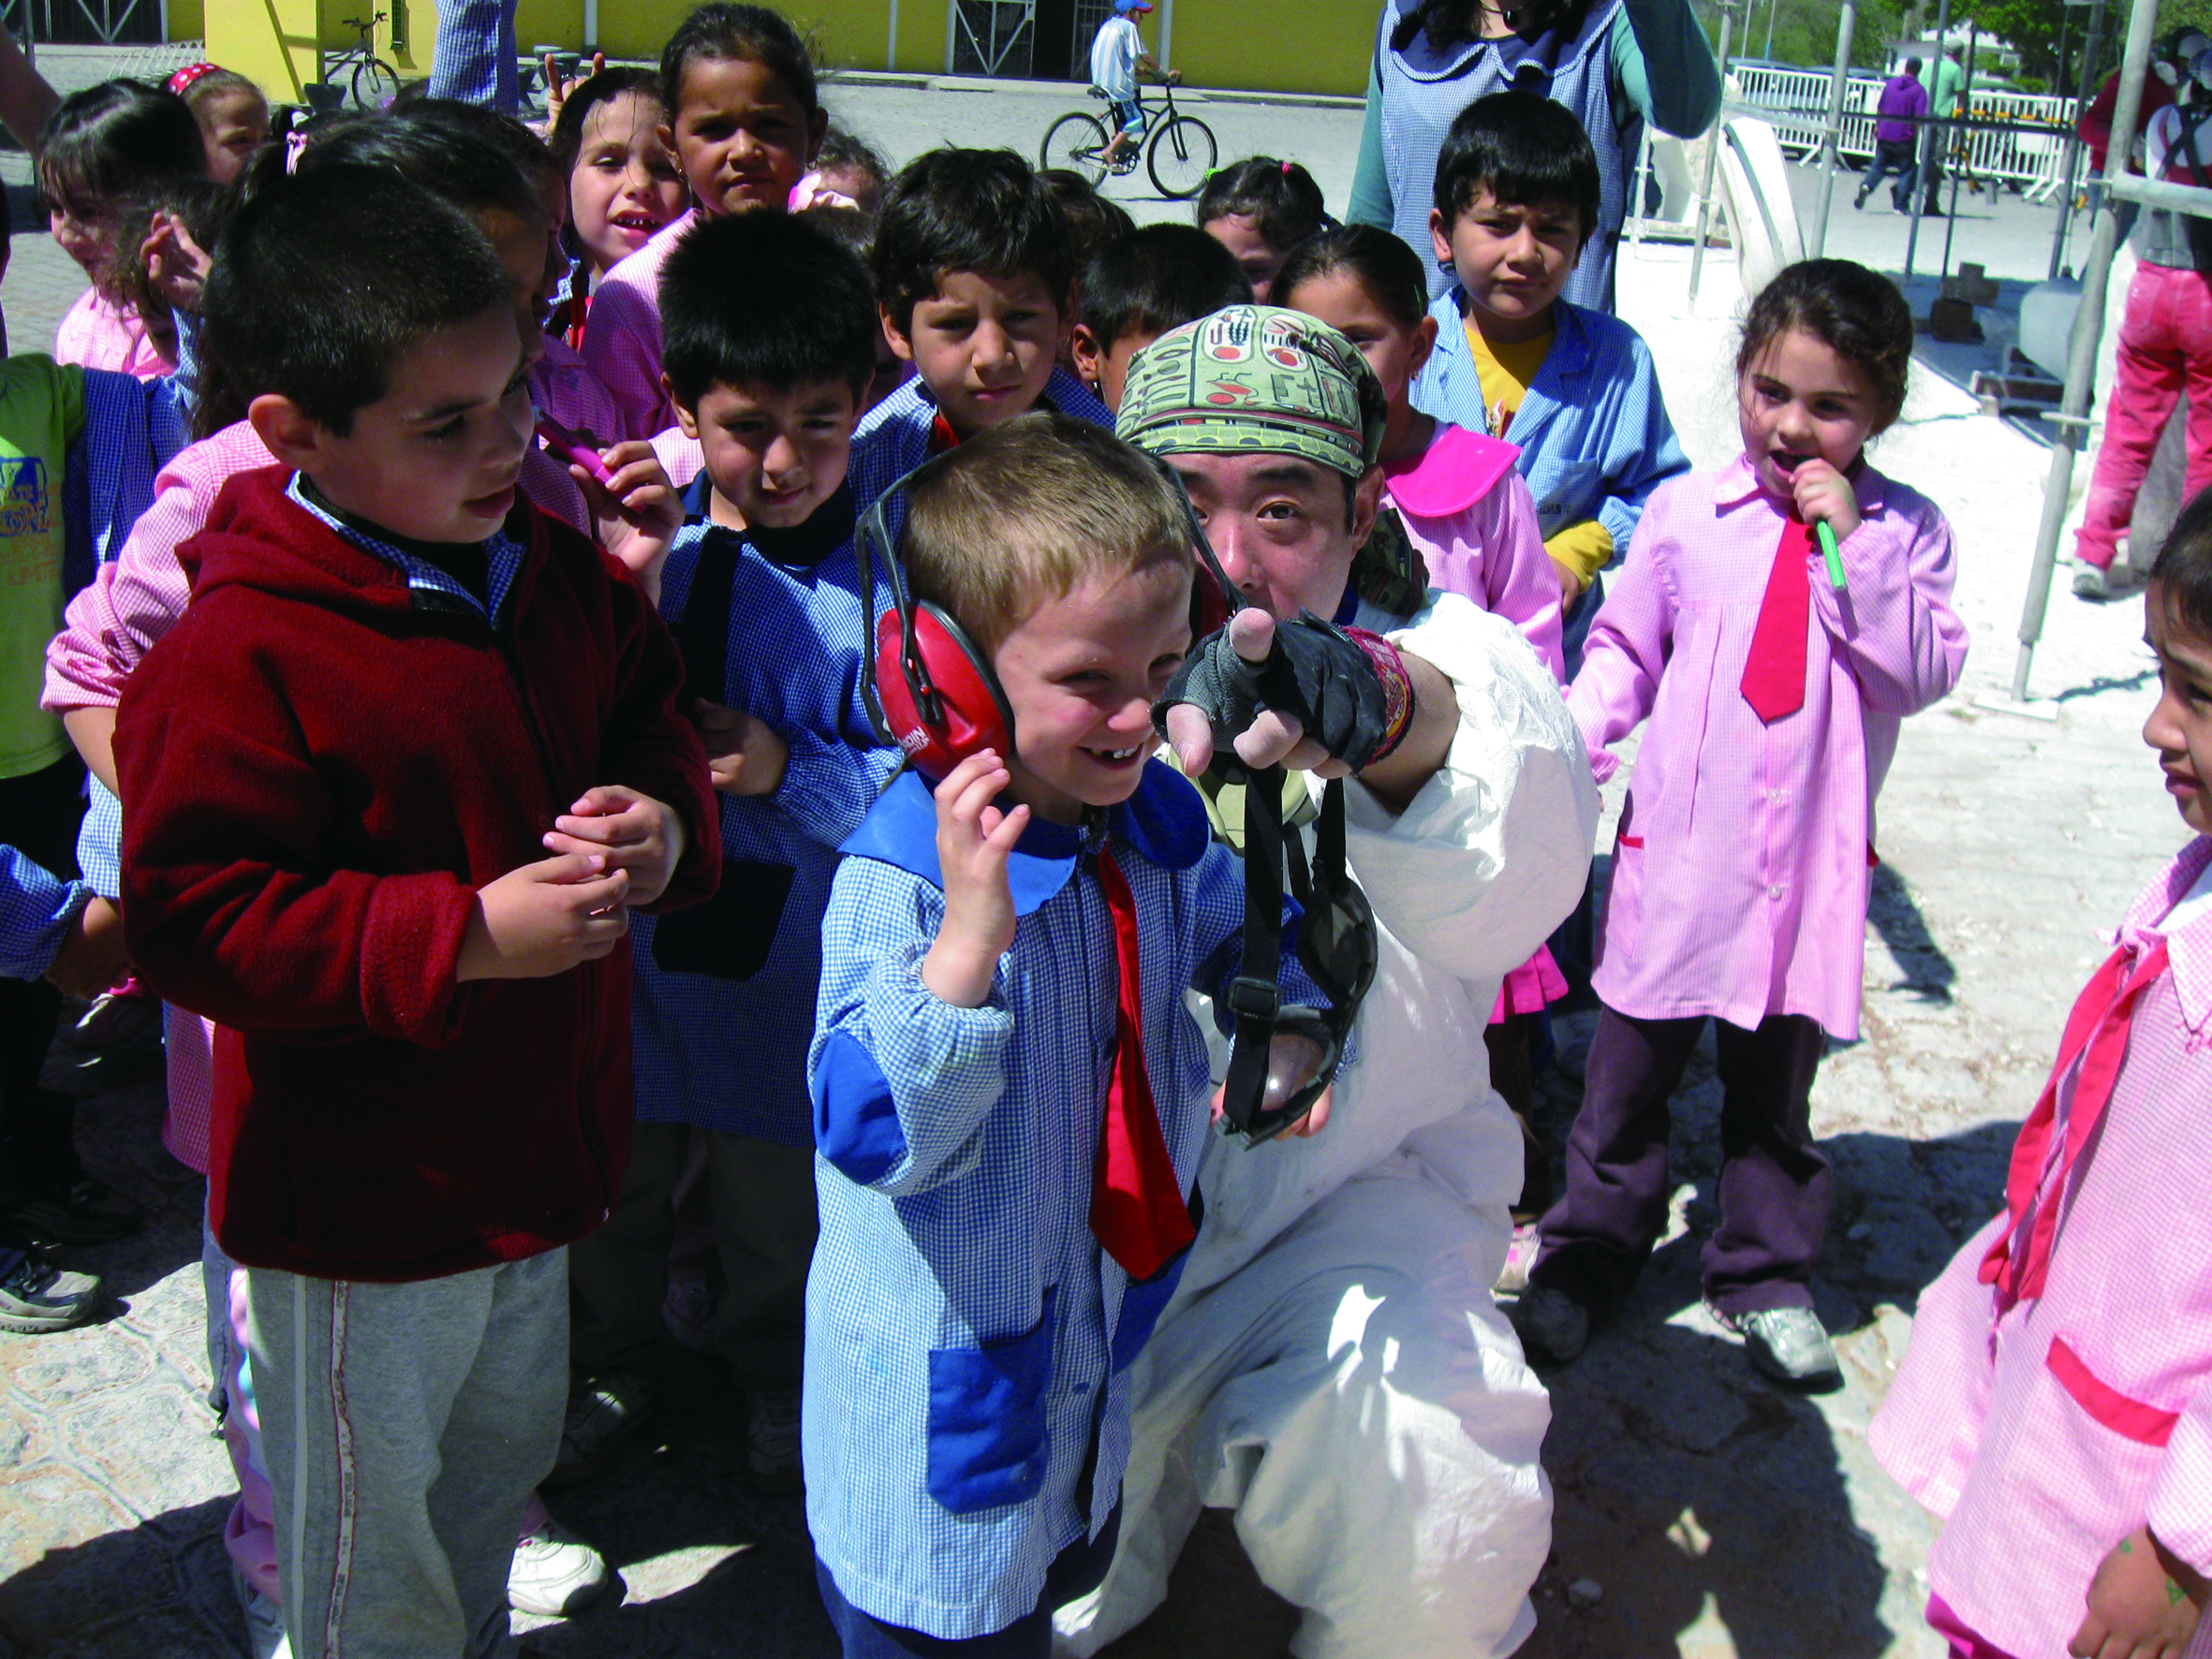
x: 295, y: 142
x: 1286, y: 169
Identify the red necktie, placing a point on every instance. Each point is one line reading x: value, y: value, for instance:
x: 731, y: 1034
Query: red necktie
x: 2097, y: 1035
x: 1137, y: 1208
x: 1774, y: 673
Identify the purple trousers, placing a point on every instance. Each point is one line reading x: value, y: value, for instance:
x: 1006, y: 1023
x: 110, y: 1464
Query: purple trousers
x: 1774, y: 1182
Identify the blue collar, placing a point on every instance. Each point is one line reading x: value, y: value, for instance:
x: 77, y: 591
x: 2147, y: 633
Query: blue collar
x: 1164, y: 822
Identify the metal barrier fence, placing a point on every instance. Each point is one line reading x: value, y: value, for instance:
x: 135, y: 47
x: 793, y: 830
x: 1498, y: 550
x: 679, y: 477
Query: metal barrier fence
x: 1795, y: 103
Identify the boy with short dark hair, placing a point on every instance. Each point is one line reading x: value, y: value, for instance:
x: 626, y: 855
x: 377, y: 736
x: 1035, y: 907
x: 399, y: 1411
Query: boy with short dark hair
x: 393, y: 780
x: 1010, y: 1091
x: 768, y: 324
x: 975, y: 275
x: 1516, y: 201
x: 1140, y: 285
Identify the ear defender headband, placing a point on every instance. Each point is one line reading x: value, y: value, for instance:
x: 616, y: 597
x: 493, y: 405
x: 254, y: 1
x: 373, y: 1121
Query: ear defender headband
x: 928, y: 687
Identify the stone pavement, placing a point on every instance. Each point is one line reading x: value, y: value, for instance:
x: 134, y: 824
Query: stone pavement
x: 1700, y: 1512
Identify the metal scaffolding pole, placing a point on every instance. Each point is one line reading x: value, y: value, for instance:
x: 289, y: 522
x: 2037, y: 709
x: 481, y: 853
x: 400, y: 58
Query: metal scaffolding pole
x: 2091, y: 51
x: 1934, y: 140
x: 1832, y: 146
x: 2089, y: 325
x: 1713, y: 142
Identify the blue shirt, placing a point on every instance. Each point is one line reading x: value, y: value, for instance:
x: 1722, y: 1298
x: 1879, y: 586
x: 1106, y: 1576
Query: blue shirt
x: 725, y: 1048
x: 1592, y: 429
x: 966, y: 1403
x: 35, y: 910
x: 432, y: 586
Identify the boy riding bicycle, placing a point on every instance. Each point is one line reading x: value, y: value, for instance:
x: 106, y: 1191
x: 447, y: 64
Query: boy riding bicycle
x: 1117, y: 59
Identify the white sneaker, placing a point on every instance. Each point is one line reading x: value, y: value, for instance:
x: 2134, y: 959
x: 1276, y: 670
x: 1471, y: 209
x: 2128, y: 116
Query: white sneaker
x: 555, y: 1573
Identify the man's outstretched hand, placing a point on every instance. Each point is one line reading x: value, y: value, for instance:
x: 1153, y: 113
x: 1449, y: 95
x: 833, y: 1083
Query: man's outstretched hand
x: 1266, y: 688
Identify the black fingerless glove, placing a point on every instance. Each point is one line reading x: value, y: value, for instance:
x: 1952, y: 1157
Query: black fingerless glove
x: 1316, y: 673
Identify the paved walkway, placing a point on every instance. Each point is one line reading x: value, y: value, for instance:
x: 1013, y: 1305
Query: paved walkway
x: 1700, y: 1512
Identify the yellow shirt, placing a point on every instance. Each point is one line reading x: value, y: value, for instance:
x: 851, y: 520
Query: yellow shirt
x: 1506, y: 369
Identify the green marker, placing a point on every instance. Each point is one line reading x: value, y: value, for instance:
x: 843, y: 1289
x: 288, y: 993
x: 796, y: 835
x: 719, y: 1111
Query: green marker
x: 1828, y: 553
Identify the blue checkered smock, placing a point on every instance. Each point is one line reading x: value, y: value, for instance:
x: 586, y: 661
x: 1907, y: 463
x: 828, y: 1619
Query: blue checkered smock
x: 36, y: 909
x: 967, y: 1341
x: 726, y: 1048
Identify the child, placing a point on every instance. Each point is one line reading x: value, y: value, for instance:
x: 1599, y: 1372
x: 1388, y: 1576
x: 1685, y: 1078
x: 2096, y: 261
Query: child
x: 1118, y: 58
x: 1459, y: 518
x: 1739, y: 880
x: 1260, y: 209
x: 100, y: 147
x: 1465, y: 510
x: 2051, y: 1406
x: 975, y: 280
x: 986, y: 1275
x: 1516, y: 201
x: 399, y: 1184
x: 847, y: 173
x: 233, y: 116
x: 744, y: 125
x: 769, y: 324
x: 1140, y: 285
x: 624, y: 186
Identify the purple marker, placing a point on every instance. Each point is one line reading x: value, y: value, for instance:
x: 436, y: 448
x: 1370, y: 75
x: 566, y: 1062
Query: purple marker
x: 570, y: 448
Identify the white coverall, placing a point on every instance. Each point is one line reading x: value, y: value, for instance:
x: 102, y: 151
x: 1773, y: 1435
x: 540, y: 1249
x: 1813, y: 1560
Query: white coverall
x: 1334, y: 1367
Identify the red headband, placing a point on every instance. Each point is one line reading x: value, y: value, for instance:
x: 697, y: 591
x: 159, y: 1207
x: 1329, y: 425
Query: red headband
x: 187, y: 75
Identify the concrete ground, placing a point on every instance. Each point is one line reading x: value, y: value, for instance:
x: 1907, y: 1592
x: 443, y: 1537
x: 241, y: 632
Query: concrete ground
x: 1700, y: 1512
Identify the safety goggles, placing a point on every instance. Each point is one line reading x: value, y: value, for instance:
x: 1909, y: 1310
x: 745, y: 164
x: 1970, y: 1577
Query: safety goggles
x: 1286, y: 1054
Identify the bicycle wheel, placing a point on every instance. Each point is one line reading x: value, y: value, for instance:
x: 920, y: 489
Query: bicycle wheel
x: 1076, y: 142
x: 1183, y: 153
x: 374, y: 82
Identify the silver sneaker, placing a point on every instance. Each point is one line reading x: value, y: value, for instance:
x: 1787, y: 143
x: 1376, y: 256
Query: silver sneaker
x: 1789, y: 1344
x: 555, y: 1573
x: 771, y: 1441
x: 264, y: 1619
x: 1553, y: 1325
x: 603, y: 1410
x: 2092, y: 584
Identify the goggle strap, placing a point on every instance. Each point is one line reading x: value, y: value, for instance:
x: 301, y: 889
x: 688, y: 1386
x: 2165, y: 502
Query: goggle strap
x: 1245, y: 1089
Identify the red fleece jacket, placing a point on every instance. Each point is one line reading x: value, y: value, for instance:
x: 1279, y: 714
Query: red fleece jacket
x: 321, y: 768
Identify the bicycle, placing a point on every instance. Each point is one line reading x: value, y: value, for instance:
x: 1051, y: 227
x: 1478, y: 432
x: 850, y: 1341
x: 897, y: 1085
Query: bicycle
x: 1177, y: 150
x: 373, y: 81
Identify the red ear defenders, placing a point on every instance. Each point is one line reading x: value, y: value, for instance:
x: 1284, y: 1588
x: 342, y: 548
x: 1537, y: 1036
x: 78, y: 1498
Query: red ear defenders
x: 930, y: 690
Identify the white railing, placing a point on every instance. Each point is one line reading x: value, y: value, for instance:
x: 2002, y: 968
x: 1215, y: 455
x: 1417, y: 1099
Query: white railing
x: 1795, y: 102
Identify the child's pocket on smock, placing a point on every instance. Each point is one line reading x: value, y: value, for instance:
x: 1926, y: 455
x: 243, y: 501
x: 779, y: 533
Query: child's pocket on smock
x: 987, y: 1432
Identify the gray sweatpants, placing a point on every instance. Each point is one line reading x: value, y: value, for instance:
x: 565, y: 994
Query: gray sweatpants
x: 405, y: 1426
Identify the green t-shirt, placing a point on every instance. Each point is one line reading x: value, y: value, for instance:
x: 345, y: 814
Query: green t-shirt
x: 41, y: 412
x: 1943, y: 79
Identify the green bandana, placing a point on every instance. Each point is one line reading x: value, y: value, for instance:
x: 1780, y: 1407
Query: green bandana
x: 1260, y: 380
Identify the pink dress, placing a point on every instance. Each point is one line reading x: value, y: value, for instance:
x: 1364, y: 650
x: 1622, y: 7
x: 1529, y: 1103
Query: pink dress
x: 113, y: 621
x: 1754, y: 838
x: 563, y: 385
x: 622, y: 334
x: 1469, y: 514
x: 96, y: 334
x: 2046, y: 1431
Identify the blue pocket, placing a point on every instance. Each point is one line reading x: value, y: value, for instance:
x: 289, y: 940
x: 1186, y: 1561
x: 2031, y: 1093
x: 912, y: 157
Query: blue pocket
x: 987, y: 1440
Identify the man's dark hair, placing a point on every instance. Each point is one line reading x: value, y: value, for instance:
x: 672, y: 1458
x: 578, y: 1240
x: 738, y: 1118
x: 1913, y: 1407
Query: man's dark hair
x: 772, y: 299
x: 1913, y: 67
x: 1524, y: 150
x: 1159, y: 278
x: 983, y: 211
x: 323, y: 282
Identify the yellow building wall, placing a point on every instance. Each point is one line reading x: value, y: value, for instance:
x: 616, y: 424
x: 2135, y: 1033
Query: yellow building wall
x: 1249, y: 45
x: 1255, y: 45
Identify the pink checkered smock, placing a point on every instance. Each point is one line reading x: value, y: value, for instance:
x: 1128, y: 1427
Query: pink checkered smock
x: 2048, y: 1432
